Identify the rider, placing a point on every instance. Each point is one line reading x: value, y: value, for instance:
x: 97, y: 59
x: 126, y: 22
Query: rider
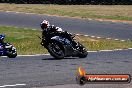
x: 48, y: 29
x: 51, y: 29
x: 2, y: 36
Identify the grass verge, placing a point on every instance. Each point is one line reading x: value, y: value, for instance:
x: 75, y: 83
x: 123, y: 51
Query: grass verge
x: 26, y: 41
x: 116, y: 12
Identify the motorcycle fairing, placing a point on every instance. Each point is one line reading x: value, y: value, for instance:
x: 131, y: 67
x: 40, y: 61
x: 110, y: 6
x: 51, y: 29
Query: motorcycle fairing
x: 61, y: 40
x: 66, y: 43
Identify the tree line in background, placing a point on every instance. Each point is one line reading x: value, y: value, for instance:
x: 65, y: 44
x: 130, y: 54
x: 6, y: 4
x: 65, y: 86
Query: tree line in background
x: 92, y: 2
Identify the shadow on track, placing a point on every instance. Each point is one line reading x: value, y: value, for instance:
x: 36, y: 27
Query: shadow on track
x: 61, y: 59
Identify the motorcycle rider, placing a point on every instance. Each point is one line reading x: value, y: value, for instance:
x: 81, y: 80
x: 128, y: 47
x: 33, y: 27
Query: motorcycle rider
x: 51, y: 29
x: 2, y: 41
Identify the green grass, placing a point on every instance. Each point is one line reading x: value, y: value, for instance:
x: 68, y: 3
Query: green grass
x: 116, y: 12
x: 103, y: 44
x: 26, y: 41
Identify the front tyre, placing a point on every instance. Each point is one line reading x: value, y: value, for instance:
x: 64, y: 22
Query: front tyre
x: 56, y: 50
x: 12, y: 53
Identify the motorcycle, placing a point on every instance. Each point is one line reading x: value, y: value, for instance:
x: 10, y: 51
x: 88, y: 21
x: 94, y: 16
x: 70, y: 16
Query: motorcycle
x: 60, y: 47
x: 8, y: 50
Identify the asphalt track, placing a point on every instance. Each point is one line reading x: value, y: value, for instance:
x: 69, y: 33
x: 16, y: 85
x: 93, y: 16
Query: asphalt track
x: 39, y: 71
x: 93, y: 28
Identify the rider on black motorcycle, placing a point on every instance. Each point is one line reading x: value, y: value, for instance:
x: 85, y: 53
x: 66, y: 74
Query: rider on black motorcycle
x: 60, y: 43
x: 50, y: 30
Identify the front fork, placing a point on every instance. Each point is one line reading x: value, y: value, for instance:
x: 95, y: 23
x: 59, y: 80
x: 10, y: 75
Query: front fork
x: 43, y: 43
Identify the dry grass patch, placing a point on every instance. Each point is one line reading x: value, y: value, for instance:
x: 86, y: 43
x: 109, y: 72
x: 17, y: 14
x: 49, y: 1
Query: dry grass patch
x: 118, y: 12
x: 26, y: 41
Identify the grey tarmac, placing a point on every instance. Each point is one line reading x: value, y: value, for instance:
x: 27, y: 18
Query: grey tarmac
x: 86, y: 27
x: 45, y: 72
x: 90, y: 86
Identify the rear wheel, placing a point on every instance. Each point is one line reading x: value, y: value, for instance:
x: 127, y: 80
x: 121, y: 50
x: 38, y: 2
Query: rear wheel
x: 56, y: 50
x: 83, y: 54
x: 82, y: 51
x: 12, y: 53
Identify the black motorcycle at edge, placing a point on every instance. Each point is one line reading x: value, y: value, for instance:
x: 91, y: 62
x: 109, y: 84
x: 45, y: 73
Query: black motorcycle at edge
x: 60, y: 47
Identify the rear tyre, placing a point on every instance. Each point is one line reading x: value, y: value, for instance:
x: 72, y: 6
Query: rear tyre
x: 56, y: 50
x: 12, y: 53
x: 83, y: 54
x: 82, y: 51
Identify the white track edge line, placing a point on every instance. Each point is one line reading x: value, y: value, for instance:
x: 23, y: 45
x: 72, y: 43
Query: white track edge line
x: 34, y: 55
x: 12, y: 85
x: 84, y: 35
x: 101, y: 20
x: 87, y: 51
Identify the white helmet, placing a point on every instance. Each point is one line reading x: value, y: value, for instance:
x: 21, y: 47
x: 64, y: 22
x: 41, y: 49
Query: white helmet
x: 44, y: 24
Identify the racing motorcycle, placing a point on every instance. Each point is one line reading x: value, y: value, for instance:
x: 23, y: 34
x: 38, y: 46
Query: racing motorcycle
x: 59, y: 46
x: 7, y: 50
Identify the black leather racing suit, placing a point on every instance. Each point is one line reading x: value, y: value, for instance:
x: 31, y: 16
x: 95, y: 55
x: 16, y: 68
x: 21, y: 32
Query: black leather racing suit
x: 2, y: 43
x: 52, y: 31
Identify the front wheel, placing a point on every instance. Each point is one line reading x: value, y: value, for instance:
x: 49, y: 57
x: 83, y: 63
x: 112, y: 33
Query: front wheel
x: 56, y: 50
x: 12, y: 53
